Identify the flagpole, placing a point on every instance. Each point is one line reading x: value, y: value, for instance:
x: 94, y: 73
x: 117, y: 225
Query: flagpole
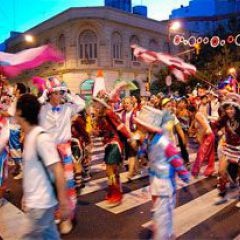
x: 149, y: 78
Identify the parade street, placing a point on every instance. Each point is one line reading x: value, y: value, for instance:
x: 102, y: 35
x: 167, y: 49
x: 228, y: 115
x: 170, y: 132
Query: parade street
x: 195, y: 216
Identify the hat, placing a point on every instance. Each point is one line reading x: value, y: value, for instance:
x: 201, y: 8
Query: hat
x: 150, y: 118
x: 53, y: 84
x: 232, y: 99
x: 165, y: 101
x: 102, y: 98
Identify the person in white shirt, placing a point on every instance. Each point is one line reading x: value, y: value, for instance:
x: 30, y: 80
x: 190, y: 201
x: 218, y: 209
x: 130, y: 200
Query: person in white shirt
x: 40, y: 160
x: 56, y: 119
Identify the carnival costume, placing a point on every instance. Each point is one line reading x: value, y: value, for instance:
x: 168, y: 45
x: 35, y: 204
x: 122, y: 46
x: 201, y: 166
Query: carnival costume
x: 4, y: 137
x: 110, y: 127
x: 164, y: 163
x: 230, y: 148
x: 57, y: 122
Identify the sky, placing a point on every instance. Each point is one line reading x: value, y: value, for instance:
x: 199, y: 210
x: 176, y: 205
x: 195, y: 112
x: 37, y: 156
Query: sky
x: 21, y: 15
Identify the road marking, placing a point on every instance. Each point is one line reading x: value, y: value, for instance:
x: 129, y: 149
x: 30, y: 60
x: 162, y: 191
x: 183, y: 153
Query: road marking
x: 138, y: 197
x: 195, y: 212
x: 13, y: 222
x: 101, y: 183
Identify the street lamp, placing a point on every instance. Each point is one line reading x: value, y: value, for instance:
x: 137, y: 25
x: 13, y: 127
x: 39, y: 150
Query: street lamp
x: 172, y: 27
x: 29, y: 38
x: 232, y: 70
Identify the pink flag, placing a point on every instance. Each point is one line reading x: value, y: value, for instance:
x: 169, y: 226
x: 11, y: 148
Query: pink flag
x: 180, y: 69
x: 13, y: 64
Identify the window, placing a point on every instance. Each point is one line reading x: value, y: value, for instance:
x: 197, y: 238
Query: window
x: 61, y: 44
x: 116, y: 46
x: 88, y: 45
x: 134, y: 40
x: 153, y: 45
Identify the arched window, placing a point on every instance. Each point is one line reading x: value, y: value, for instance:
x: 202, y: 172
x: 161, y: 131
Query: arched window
x: 88, y: 45
x: 153, y: 45
x: 134, y: 40
x: 116, y: 45
x: 61, y: 44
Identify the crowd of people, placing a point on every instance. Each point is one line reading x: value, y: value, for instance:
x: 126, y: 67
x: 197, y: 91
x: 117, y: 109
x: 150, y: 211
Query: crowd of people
x: 47, y: 141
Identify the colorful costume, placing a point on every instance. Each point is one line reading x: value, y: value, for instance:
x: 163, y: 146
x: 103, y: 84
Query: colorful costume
x: 4, y: 136
x: 57, y: 122
x: 111, y: 127
x: 206, y: 151
x: 164, y: 163
x: 230, y: 153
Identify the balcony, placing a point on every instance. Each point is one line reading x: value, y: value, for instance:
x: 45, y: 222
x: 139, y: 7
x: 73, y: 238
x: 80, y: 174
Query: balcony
x: 88, y: 61
x: 118, y: 63
x: 135, y: 64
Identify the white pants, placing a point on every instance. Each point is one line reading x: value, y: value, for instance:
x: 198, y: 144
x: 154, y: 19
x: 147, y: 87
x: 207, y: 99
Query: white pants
x: 163, y: 217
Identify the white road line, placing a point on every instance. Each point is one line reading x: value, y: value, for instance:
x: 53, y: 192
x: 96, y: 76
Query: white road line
x: 101, y: 183
x: 194, y: 212
x: 137, y: 198
x: 13, y: 222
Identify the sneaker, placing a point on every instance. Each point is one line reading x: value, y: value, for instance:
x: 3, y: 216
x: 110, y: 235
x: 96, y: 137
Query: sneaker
x: 66, y: 226
x: 114, y: 201
x: 220, y: 200
x: 19, y: 176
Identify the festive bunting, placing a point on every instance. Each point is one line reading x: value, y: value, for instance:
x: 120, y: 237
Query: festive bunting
x: 214, y: 41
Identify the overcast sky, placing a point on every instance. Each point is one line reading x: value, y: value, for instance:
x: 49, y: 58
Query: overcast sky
x: 20, y: 15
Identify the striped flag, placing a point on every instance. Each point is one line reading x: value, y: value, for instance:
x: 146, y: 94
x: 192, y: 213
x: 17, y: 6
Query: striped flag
x: 180, y: 69
x: 12, y: 65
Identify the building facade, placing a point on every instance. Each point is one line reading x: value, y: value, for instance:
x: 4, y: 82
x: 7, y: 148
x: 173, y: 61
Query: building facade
x: 205, y: 16
x: 92, y: 39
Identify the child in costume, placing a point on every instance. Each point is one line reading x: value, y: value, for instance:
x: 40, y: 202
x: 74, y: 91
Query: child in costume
x: 127, y: 115
x: 56, y: 119
x: 164, y: 163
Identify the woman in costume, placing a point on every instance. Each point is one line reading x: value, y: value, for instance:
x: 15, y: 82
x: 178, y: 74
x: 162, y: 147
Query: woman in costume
x: 206, y: 139
x: 229, y: 162
x: 109, y: 126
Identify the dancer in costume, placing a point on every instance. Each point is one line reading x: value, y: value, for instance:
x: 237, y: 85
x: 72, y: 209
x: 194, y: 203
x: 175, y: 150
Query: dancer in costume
x: 127, y: 116
x: 4, y: 137
x: 110, y: 127
x: 174, y: 130
x: 81, y: 145
x: 229, y: 162
x: 15, y: 145
x: 206, y: 139
x: 164, y: 162
x: 56, y: 119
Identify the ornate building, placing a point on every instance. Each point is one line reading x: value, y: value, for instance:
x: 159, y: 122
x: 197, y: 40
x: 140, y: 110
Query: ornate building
x: 95, y: 38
